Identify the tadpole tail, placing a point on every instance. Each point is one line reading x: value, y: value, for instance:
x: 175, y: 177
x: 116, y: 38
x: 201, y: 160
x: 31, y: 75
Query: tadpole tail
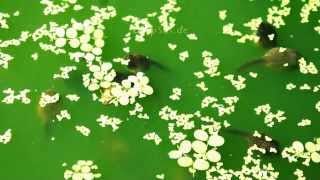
x: 48, y: 130
x: 247, y: 65
x: 237, y: 132
x: 158, y: 65
x: 47, y: 127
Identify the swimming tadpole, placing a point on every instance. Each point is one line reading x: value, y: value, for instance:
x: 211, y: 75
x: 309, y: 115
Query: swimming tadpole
x: 268, y: 36
x: 275, y: 58
x: 141, y: 63
x: 47, y: 113
x: 263, y: 142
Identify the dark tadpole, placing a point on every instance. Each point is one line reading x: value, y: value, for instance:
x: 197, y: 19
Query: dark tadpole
x: 261, y: 142
x: 141, y: 63
x: 277, y: 58
x: 120, y: 76
x: 267, y: 35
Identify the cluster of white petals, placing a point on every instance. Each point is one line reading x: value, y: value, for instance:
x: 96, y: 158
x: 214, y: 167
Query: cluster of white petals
x: 166, y: 20
x: 270, y: 118
x: 82, y: 170
x: 310, y: 151
x: 11, y: 96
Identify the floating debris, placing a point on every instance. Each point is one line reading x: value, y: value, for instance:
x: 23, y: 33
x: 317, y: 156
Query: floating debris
x: 290, y: 86
x: 192, y: 36
x: 238, y: 83
x: 307, y: 8
x: 11, y: 97
x: 3, y: 20
x: 73, y: 97
x: 229, y: 30
x: 317, y: 106
x: 122, y: 61
x: 310, y: 151
x: 153, y: 136
x: 105, y: 120
x: 138, y: 111
x: 5, y: 138
x: 63, y: 114
x: 160, y: 176
x: 82, y: 170
x: 300, y: 175
x: 4, y: 60
x: 270, y: 118
x: 222, y: 14
x: 172, y: 46
x: 253, y: 74
x: 211, y: 63
x: 83, y: 130
x: 227, y: 108
x: 304, y: 122
x: 176, y: 94
x: 102, y: 78
x: 54, y: 9
x: 35, y: 56
x: 276, y: 14
x: 165, y: 19
x: 307, y: 68
x: 183, y: 56
x: 202, y: 86
x: 64, y: 72
x: 140, y: 27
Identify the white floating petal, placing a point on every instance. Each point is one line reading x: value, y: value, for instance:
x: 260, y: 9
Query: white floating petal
x: 74, y: 43
x: 310, y: 146
x: 98, y: 34
x: 60, y: 42
x: 185, y: 161
x: 201, y: 135
x: 201, y: 164
x: 216, y: 140
x: 315, y: 157
x: 71, y: 33
x: 298, y: 146
x: 174, y: 154
x: 124, y: 100
x: 185, y: 146
x: 213, y: 155
x: 60, y: 32
x: 199, y: 147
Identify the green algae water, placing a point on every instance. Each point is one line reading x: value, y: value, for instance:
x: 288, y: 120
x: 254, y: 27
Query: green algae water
x: 124, y: 154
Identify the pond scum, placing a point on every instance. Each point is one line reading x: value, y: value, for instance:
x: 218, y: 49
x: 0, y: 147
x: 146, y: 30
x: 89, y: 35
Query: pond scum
x: 194, y: 147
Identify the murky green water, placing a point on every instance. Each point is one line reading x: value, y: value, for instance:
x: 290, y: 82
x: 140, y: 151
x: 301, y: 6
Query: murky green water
x: 124, y: 155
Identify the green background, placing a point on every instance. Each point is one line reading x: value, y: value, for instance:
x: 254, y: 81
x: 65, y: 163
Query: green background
x: 124, y: 155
